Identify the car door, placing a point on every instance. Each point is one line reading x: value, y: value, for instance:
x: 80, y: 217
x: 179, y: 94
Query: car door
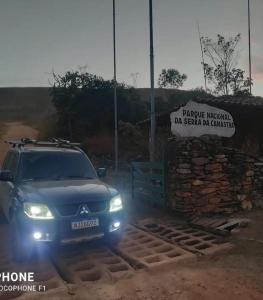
x: 7, y: 187
x: 3, y: 186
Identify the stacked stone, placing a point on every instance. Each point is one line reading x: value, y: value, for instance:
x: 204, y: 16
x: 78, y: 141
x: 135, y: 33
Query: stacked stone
x: 258, y: 194
x: 203, y: 177
x: 241, y: 170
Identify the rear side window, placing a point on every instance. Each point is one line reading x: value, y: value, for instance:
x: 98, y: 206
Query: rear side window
x: 6, y: 161
x: 11, y: 162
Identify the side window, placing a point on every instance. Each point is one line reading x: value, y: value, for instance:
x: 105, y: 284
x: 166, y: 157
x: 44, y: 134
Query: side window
x: 11, y: 162
x: 6, y: 161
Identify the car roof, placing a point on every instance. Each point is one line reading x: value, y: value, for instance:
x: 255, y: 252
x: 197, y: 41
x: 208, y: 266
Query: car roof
x: 46, y: 149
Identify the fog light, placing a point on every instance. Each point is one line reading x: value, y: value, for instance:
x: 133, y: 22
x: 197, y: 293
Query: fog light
x: 116, y: 224
x: 37, y: 235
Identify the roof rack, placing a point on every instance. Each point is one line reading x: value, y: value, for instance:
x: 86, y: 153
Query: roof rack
x: 55, y: 142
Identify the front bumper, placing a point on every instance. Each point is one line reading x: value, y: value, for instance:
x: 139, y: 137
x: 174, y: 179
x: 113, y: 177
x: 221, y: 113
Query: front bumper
x: 60, y: 230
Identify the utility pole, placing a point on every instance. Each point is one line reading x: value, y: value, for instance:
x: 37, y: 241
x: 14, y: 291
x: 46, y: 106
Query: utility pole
x: 249, y: 49
x: 153, y: 125
x: 115, y: 91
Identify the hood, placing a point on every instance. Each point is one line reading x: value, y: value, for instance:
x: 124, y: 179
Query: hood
x: 65, y: 191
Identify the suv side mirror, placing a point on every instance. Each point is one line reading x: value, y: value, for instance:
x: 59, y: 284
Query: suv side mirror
x: 101, y: 172
x: 6, y: 176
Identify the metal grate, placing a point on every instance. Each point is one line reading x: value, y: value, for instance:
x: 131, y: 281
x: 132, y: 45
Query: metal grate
x: 191, y: 239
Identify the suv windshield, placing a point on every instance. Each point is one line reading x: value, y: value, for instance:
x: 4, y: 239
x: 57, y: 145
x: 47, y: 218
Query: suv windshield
x: 55, y: 166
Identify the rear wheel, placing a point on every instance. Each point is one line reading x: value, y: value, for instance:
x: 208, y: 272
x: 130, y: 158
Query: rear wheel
x: 22, y: 248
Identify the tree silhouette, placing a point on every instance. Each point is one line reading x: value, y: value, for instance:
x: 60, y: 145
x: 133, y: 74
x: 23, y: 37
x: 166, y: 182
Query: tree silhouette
x: 222, y: 71
x: 171, y: 78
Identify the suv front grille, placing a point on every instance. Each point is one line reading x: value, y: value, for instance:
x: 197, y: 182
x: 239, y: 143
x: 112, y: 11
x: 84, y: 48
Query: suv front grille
x: 97, y: 206
x: 72, y: 209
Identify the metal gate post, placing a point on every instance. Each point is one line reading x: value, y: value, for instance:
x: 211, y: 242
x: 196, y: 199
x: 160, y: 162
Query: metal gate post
x: 165, y: 170
x: 132, y: 182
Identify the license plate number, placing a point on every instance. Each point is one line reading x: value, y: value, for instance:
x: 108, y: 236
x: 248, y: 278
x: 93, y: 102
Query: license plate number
x: 85, y: 224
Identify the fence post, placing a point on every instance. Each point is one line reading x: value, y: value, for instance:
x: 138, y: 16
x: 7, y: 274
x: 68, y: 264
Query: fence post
x: 165, y: 171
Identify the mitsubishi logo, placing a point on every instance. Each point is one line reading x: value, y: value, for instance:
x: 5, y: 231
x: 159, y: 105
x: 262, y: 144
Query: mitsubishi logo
x: 84, y: 210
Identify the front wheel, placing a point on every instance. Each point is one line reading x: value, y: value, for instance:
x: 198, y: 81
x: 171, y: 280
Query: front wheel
x: 22, y: 247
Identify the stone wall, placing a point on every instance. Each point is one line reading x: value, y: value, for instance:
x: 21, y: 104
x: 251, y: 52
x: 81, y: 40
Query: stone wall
x: 205, y: 177
x: 258, y: 192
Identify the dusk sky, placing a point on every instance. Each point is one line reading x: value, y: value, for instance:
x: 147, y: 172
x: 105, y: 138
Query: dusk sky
x: 38, y: 36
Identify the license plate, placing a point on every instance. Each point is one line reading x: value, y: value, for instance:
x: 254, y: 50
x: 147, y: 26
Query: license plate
x: 85, y: 224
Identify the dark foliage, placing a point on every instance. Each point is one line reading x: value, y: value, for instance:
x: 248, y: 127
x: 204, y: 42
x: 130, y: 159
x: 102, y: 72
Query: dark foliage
x: 179, y: 98
x: 84, y: 104
x: 171, y: 78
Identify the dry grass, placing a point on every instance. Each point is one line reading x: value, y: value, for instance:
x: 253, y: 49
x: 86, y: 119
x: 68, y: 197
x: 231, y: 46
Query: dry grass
x: 100, y: 144
x: 2, y: 129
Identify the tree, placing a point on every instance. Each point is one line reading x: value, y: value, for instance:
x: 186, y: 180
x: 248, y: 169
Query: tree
x: 222, y: 71
x: 171, y: 78
x: 85, y: 106
x: 238, y: 83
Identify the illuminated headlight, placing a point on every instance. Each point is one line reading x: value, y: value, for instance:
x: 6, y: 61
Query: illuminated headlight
x: 37, y: 235
x: 37, y: 211
x: 116, y: 204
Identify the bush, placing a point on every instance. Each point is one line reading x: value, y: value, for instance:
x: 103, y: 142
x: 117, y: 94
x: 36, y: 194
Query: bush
x: 85, y: 104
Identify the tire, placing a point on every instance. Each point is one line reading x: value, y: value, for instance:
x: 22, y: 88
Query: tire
x: 21, y: 247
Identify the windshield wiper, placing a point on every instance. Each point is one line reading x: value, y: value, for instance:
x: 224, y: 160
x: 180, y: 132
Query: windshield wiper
x: 78, y: 177
x: 58, y: 178
x: 35, y: 179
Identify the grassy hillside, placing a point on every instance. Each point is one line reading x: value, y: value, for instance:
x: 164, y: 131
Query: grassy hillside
x: 159, y: 93
x: 166, y: 95
x: 34, y: 107
x: 24, y: 104
x: 33, y: 104
x: 2, y: 129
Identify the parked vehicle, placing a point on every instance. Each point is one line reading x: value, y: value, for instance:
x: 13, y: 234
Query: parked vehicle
x: 51, y: 193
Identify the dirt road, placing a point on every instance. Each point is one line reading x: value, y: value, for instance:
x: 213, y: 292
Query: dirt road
x: 236, y: 274
x: 15, y: 130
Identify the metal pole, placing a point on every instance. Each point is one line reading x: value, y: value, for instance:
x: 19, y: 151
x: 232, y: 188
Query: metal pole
x: 249, y: 48
x: 202, y: 55
x: 153, y: 125
x: 115, y: 92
